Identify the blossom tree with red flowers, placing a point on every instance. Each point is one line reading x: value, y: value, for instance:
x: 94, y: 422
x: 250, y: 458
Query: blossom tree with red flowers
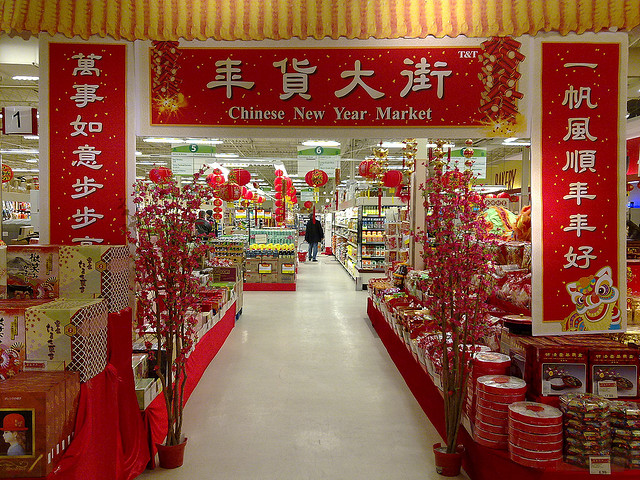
x: 457, y: 256
x: 167, y: 252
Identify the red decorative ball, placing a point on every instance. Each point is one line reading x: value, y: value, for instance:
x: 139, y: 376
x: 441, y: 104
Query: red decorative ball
x: 630, y: 187
x: 291, y: 192
x: 239, y: 176
x: 513, y: 198
x: 214, y: 180
x: 308, y: 204
x: 217, y: 216
x: 316, y: 178
x: 294, y: 200
x: 288, y: 182
x: 392, y: 178
x: 279, y: 211
x: 278, y: 187
x: 369, y: 168
x: 279, y: 203
x: 278, y: 195
x: 503, y: 195
x: 248, y: 195
x: 279, y: 173
x: 217, y: 202
x: 217, y: 209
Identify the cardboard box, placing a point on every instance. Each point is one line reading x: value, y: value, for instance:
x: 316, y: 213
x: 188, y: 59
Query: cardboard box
x: 268, y: 267
x: 12, y: 335
x: 252, y: 264
x: 620, y: 364
x: 67, y: 334
x: 287, y: 268
x: 94, y: 271
x: 45, y: 404
x: 3, y: 271
x: 225, y: 274
x: 560, y: 369
x: 147, y: 389
x: 252, y: 277
x: 32, y: 271
x: 269, y: 278
x: 286, y: 278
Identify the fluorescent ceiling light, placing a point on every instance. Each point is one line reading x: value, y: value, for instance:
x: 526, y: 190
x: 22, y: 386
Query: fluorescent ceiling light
x: 235, y: 165
x: 25, y: 78
x: 321, y: 143
x: 199, y: 141
x: 226, y: 155
x: 28, y: 170
x: 162, y: 162
x: 32, y: 160
x: 30, y: 137
x: 391, y: 145
x: 138, y: 153
x: 20, y: 152
x: 516, y: 144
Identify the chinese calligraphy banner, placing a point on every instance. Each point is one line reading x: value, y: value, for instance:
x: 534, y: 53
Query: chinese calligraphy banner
x: 87, y: 133
x: 580, y: 286
x: 446, y: 86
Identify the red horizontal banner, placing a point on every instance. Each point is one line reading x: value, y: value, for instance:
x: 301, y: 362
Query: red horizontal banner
x: 335, y: 87
x: 579, y: 180
x: 87, y: 132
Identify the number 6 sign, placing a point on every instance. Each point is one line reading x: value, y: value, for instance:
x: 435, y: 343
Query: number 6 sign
x: 20, y: 119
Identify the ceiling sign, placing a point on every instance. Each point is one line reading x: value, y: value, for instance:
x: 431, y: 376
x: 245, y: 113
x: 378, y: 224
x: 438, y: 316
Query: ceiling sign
x: 20, y: 120
x: 473, y: 85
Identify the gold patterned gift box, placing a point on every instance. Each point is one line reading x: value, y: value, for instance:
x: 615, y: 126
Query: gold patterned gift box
x: 97, y: 271
x: 67, y: 335
x: 32, y: 271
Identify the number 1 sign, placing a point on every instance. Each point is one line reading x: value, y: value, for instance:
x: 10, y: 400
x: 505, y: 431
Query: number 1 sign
x: 20, y: 120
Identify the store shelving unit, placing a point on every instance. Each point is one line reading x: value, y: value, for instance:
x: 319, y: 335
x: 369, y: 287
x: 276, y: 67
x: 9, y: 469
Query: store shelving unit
x: 358, y: 238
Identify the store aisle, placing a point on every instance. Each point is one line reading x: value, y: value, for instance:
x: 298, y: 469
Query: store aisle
x: 304, y: 389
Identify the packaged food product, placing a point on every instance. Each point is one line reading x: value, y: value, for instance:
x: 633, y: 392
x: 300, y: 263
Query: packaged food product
x: 501, y: 384
x: 533, y: 413
x: 583, y: 402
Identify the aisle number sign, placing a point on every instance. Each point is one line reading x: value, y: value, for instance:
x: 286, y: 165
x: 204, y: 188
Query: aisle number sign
x: 578, y: 190
x: 19, y: 120
x: 87, y: 133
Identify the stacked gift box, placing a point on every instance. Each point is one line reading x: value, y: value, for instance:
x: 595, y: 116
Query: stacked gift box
x: 38, y: 413
x: 535, y: 434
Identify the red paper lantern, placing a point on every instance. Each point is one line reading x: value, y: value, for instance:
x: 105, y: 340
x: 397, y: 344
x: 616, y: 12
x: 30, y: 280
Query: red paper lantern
x: 240, y: 176
x: 279, y: 211
x: 503, y: 195
x: 629, y: 187
x: 294, y: 200
x: 217, y: 202
x: 308, y: 204
x: 288, y: 182
x: 260, y: 199
x: 217, y: 171
x: 217, y: 216
x: 278, y: 195
x: 279, y: 203
x: 230, y: 192
x: 248, y: 195
x: 214, y: 180
x: 277, y: 181
x: 7, y: 173
x: 316, y: 178
x: 369, y: 168
x: 217, y: 209
x: 392, y: 178
x: 279, y: 173
x: 513, y: 198
x: 278, y: 187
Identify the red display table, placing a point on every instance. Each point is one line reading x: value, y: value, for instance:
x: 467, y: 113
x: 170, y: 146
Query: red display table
x: 480, y: 463
x: 269, y: 287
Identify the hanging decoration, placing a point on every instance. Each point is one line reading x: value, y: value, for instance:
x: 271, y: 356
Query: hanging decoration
x: 239, y: 176
x: 215, y: 179
x: 316, y: 178
x: 7, y: 173
x: 217, y: 202
x: 230, y: 192
x: 279, y: 173
x: 308, y: 204
x: 392, y: 178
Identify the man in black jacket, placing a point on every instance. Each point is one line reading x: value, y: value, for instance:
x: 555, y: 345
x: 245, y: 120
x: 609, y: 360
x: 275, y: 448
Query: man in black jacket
x: 313, y: 236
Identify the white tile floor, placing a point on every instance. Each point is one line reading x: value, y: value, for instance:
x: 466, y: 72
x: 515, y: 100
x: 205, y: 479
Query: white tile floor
x: 304, y: 389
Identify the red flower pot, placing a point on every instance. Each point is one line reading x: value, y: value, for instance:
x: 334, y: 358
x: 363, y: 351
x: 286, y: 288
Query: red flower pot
x: 171, y: 456
x: 448, y: 464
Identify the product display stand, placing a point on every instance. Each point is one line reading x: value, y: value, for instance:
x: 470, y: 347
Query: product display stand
x: 480, y: 463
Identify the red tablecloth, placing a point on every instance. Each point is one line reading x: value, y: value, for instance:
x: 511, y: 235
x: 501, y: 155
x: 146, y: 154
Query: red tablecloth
x: 480, y: 463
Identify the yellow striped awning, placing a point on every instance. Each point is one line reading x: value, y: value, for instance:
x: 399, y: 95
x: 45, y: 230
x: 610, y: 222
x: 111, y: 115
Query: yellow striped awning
x: 284, y: 19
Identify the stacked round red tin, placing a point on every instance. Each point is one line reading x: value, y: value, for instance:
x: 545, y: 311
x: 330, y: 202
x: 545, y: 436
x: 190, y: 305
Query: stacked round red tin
x: 494, y: 394
x: 535, y: 434
x: 484, y: 363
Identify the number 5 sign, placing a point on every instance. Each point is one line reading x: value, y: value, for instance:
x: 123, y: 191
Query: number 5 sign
x: 21, y: 120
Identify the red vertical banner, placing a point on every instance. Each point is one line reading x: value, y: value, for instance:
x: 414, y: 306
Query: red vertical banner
x: 87, y: 135
x: 579, y: 284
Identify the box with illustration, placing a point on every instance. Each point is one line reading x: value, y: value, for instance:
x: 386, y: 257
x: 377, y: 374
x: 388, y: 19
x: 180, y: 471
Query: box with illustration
x: 94, y: 271
x: 620, y: 365
x: 12, y: 335
x: 32, y: 271
x: 67, y: 334
x: 37, y: 414
x: 561, y: 369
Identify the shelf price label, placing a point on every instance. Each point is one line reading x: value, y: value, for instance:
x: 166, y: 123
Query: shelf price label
x: 19, y: 120
x: 600, y: 465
